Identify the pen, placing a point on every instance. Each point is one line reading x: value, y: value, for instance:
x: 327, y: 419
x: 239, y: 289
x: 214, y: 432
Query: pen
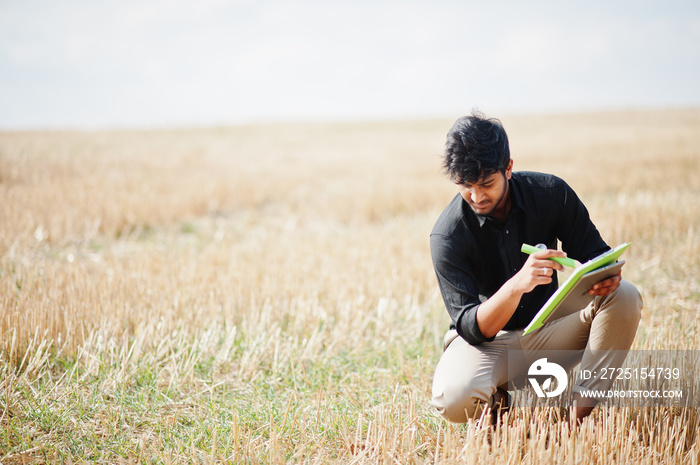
x: 566, y: 261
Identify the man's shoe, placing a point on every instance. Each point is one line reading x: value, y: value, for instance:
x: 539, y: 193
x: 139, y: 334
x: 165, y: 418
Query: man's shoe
x: 500, y: 404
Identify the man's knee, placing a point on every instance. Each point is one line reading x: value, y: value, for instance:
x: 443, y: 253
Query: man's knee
x: 616, y: 319
x: 459, y: 403
x: 627, y: 302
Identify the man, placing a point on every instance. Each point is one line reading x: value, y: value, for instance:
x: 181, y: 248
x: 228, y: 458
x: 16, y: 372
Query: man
x: 492, y: 290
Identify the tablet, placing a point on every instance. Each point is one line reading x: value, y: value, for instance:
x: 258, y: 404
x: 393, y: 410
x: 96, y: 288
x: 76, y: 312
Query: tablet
x: 572, y: 295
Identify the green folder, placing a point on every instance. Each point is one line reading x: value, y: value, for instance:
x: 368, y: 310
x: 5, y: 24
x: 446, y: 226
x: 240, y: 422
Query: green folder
x: 572, y: 295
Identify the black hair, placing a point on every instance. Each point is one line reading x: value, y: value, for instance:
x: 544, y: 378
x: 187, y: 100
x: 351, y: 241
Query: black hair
x: 476, y: 148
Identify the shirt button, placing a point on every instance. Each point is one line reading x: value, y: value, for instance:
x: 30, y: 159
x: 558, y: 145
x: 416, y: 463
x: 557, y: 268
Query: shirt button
x: 507, y: 231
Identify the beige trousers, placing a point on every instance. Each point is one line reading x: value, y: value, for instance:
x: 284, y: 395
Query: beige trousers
x: 467, y: 376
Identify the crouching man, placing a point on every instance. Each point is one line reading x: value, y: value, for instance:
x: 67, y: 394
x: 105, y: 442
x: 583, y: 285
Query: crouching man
x: 492, y: 290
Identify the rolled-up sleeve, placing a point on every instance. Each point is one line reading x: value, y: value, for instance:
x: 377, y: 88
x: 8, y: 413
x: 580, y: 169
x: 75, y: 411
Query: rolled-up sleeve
x: 458, y: 286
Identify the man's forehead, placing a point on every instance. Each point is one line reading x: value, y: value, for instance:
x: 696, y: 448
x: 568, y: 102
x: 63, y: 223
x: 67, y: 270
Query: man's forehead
x: 484, y: 179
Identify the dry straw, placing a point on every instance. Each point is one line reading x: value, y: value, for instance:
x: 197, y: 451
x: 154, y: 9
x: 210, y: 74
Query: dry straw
x: 264, y: 294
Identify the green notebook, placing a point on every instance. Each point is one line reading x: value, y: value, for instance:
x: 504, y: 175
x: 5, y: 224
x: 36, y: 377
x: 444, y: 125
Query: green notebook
x: 573, y: 295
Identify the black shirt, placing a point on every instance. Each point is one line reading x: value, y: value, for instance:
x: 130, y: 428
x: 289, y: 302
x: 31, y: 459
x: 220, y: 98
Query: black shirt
x: 474, y: 256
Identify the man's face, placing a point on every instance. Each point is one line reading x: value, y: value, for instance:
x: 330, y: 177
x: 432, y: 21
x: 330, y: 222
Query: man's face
x: 487, y: 194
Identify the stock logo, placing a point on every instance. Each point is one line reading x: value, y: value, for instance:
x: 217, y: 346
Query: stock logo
x: 542, y: 368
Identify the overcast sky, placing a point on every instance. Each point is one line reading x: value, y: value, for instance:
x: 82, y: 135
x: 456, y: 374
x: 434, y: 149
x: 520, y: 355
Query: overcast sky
x: 101, y: 63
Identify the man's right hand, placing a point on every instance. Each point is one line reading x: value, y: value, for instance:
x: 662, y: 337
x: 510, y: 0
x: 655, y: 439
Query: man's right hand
x: 538, y: 269
x: 493, y: 314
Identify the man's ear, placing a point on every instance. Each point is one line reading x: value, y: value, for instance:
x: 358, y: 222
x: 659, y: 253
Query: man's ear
x: 509, y: 169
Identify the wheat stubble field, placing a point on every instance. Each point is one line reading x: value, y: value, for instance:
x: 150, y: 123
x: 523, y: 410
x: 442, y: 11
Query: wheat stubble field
x: 264, y: 294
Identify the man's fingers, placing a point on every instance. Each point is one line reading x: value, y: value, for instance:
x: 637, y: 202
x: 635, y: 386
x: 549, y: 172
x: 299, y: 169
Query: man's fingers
x: 607, y: 286
x: 611, y: 281
x: 549, y: 264
x: 542, y: 259
x: 543, y: 275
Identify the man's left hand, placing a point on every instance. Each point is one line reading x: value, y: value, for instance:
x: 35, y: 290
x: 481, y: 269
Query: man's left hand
x: 606, y: 286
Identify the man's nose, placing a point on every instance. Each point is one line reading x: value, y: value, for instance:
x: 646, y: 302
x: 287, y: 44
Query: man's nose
x: 477, y: 195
